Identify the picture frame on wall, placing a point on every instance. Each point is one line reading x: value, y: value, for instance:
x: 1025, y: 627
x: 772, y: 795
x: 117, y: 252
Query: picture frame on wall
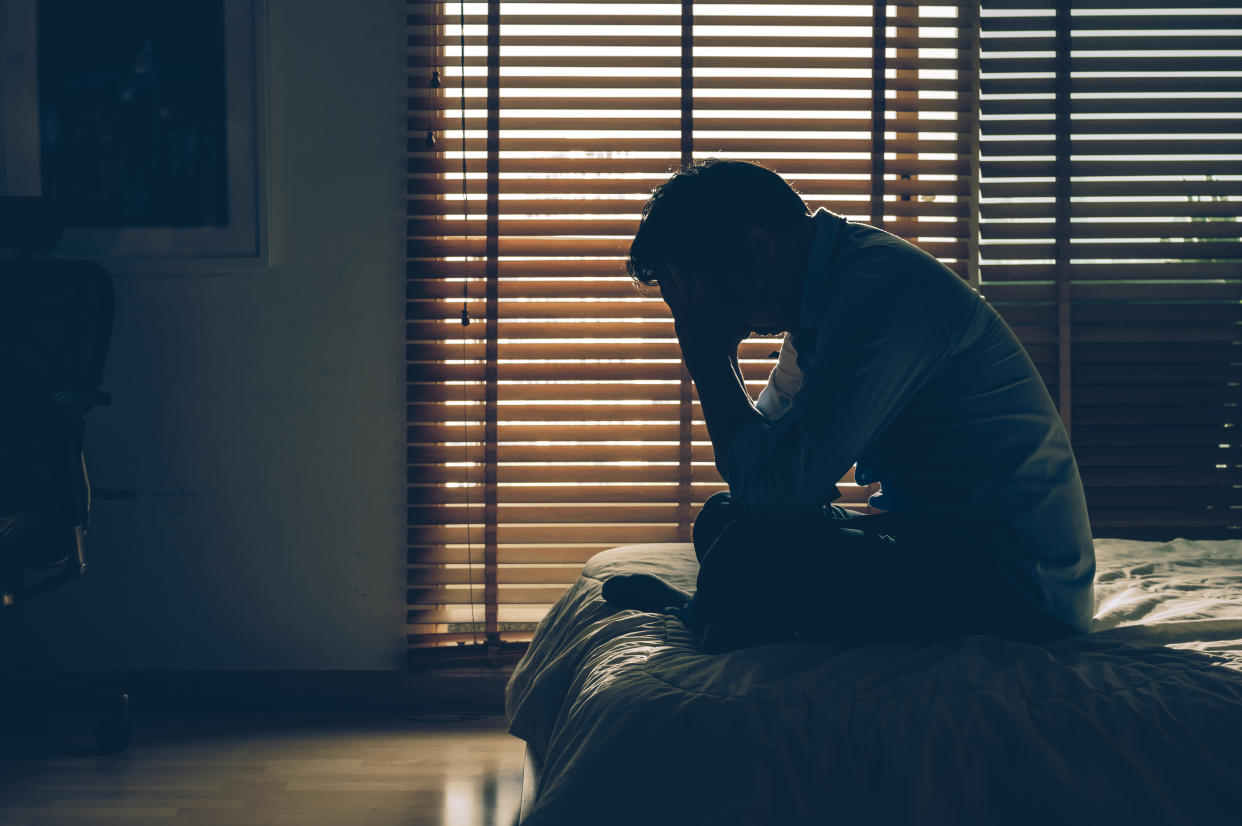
x: 145, y: 120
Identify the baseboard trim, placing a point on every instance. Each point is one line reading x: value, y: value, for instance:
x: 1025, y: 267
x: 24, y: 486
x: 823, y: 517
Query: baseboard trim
x: 180, y: 692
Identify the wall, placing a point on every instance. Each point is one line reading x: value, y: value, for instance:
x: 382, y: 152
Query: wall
x: 258, y: 414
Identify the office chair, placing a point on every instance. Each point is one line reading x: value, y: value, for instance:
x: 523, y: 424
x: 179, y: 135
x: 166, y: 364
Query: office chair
x: 55, y: 324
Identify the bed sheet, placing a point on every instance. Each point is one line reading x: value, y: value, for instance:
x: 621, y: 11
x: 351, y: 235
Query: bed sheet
x: 1139, y: 721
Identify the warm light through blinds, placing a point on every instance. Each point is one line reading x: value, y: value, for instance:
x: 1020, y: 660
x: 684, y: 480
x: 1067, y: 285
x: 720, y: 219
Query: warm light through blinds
x: 1112, y: 181
x: 562, y: 413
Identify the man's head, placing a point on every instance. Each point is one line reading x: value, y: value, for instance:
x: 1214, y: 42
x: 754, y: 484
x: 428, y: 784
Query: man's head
x: 735, y: 228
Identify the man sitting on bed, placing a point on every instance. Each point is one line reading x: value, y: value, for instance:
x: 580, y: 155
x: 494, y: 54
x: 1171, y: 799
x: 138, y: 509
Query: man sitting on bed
x: 892, y: 362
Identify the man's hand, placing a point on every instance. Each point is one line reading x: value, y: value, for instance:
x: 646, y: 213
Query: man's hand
x: 705, y: 316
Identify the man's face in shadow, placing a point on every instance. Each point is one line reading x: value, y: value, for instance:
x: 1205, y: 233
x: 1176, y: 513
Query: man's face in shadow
x: 749, y: 289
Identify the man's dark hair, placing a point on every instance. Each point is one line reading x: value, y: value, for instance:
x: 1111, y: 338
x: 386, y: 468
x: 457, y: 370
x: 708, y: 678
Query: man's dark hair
x: 695, y: 217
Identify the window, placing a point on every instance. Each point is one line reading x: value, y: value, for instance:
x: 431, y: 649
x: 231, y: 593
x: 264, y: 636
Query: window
x: 559, y: 422
x: 1111, y: 185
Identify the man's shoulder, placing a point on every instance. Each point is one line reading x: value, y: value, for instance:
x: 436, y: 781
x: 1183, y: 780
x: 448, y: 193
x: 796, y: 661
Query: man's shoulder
x: 873, y: 264
x: 872, y: 253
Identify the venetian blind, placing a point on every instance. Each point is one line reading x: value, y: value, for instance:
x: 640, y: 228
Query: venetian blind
x: 1110, y: 241
x: 560, y: 422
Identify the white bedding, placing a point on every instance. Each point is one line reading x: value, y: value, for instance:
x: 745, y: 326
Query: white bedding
x: 1139, y: 722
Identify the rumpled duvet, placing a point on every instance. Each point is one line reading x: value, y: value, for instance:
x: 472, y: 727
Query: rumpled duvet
x: 1138, y: 722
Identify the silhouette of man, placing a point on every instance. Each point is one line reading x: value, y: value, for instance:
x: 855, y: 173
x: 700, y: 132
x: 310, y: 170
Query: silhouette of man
x: 892, y: 363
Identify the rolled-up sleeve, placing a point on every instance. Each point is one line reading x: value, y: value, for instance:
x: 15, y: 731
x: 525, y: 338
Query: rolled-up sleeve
x: 878, y: 344
x: 783, y: 382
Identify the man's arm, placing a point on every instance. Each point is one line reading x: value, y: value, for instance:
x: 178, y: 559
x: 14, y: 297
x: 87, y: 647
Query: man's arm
x: 877, y: 346
x: 722, y: 395
x: 709, y: 330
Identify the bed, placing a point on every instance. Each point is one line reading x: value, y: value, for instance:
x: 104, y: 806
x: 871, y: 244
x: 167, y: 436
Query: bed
x: 1138, y: 722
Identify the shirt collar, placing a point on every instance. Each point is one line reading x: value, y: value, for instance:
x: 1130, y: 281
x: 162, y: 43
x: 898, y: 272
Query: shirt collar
x: 815, y: 279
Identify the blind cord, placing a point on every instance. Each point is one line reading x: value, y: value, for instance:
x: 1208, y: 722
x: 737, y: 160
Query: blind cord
x: 434, y: 83
x: 465, y: 323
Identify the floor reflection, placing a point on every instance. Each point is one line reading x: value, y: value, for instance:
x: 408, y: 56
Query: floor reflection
x: 315, y: 770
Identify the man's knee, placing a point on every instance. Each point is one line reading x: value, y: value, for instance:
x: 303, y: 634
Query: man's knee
x: 718, y: 511
x: 749, y: 561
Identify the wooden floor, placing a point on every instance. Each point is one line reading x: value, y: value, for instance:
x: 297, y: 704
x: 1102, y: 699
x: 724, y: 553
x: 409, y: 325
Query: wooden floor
x: 323, y: 770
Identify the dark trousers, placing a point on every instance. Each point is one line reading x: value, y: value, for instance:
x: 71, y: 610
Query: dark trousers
x: 836, y: 575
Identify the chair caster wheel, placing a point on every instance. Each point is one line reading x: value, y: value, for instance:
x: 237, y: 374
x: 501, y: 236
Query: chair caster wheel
x: 112, y: 736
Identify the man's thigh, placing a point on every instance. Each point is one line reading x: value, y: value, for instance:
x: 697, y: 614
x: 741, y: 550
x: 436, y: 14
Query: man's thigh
x: 864, y: 579
x: 788, y: 575
x: 721, y: 508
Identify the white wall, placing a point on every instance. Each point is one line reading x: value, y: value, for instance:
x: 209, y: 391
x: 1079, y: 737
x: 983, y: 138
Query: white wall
x: 258, y: 415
